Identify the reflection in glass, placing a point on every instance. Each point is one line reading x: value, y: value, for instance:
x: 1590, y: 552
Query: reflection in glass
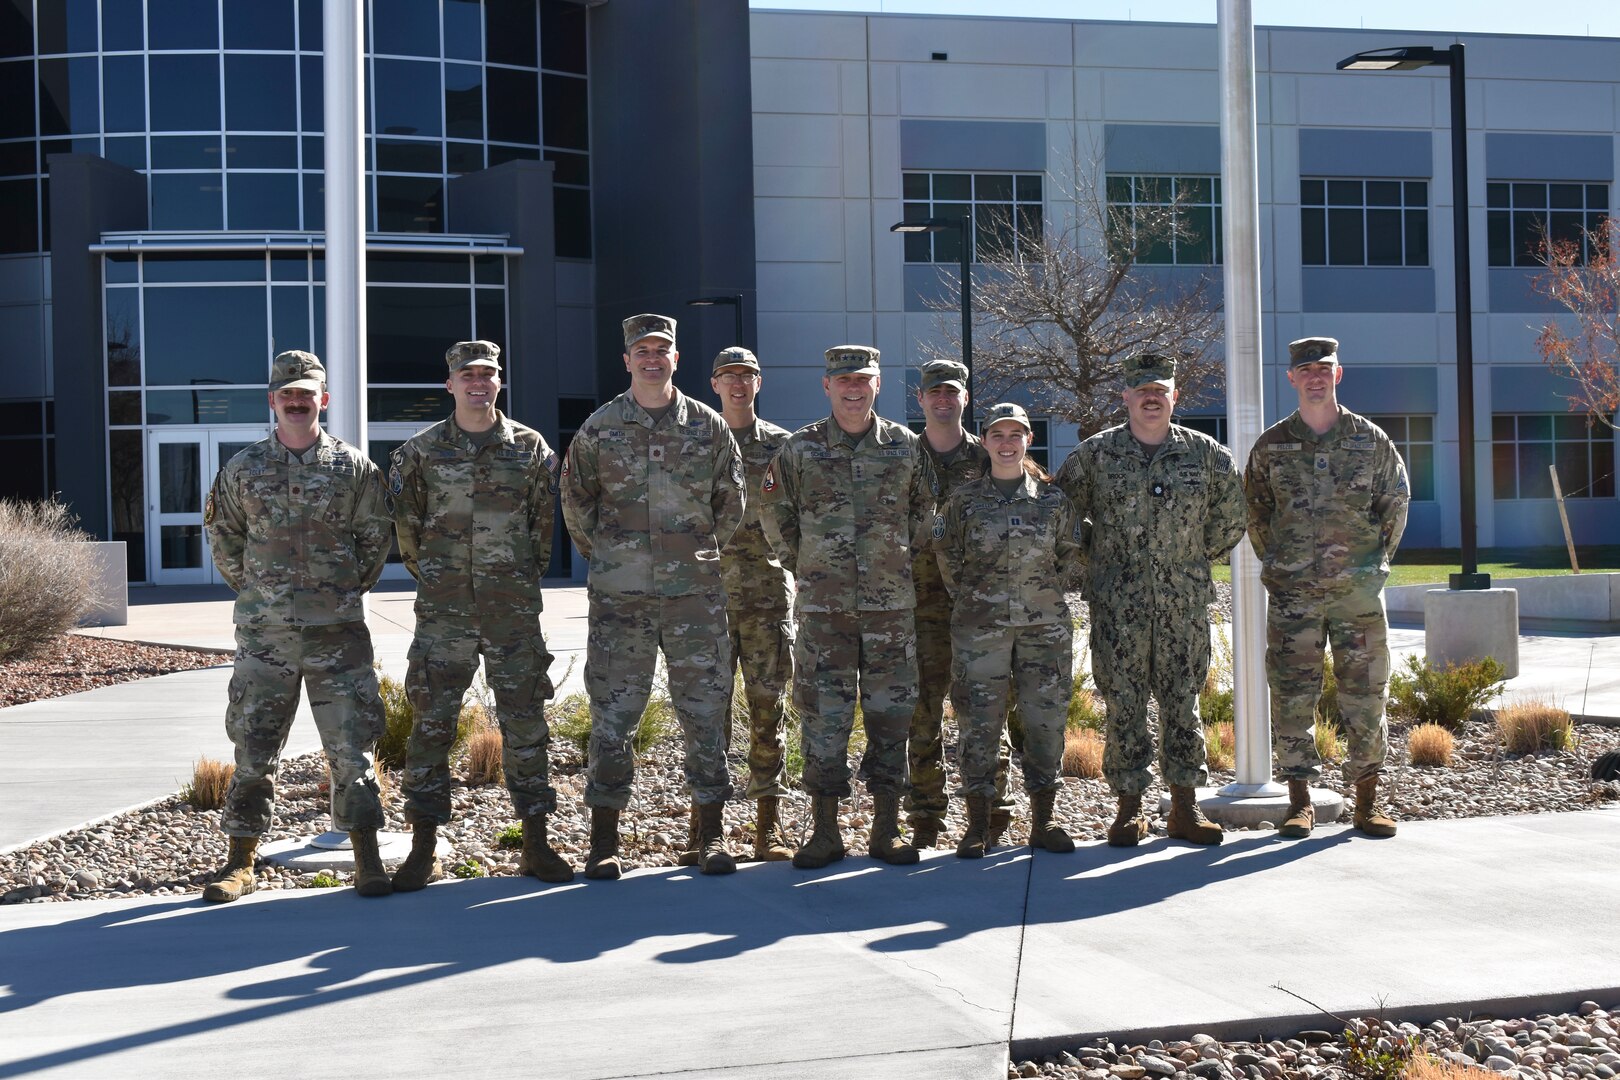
x: 514, y: 106
x: 185, y: 93
x: 408, y: 329
x: 490, y: 305
x: 311, y: 103
x: 289, y: 266
x: 124, y: 407
x: 409, y: 155
x: 410, y: 204
x: 123, y: 338
x: 125, y: 93
x: 258, y: 24
x: 566, y: 117
x: 67, y: 26
x: 185, y: 151
x: 510, y: 32
x: 206, y: 334
x: 207, y: 407
x: 314, y: 201
x: 405, y: 95
x: 405, y: 27
x: 19, y: 216
x: 562, y: 36
x: 129, y: 152
x: 179, y: 478
x: 463, y: 157
x: 417, y: 269
x: 123, y: 29
x: 263, y: 200
x: 17, y: 159
x: 289, y: 318
x: 205, y: 266
x: 126, y: 473
x: 122, y: 267
x: 408, y: 405
x: 261, y: 152
x: 463, y: 101
x: 184, y: 24
x: 180, y: 547
x: 572, y: 213
x: 260, y: 93
x: 17, y: 91
x: 463, y: 30
x: 69, y: 97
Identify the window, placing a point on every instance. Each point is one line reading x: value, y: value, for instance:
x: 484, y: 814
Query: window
x: 1414, y: 438
x: 1521, y: 217
x: 1524, y: 445
x: 1213, y: 426
x: 1134, y: 201
x: 1364, y: 222
x: 1006, y: 208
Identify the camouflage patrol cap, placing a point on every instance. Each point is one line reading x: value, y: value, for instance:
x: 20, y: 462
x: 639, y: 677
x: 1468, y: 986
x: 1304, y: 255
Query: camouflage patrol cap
x: 465, y: 353
x: 852, y: 360
x: 297, y: 370
x: 1150, y: 367
x: 1308, y: 350
x: 1007, y: 410
x: 944, y: 373
x: 637, y: 327
x: 736, y: 356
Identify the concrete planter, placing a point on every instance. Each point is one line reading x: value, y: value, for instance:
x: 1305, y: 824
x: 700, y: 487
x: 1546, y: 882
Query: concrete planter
x: 111, y: 588
x: 1584, y: 602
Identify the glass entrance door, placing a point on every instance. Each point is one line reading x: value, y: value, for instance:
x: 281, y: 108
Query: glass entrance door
x: 180, y: 467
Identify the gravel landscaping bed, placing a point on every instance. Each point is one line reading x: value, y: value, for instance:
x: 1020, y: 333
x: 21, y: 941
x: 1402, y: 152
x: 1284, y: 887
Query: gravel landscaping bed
x: 77, y: 662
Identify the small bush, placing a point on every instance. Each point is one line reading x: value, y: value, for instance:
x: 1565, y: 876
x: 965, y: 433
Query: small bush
x: 472, y: 868
x: 1217, y: 707
x: 1329, y: 741
x: 323, y: 880
x: 1430, y: 744
x: 792, y: 747
x: 399, y: 716
x: 1220, y: 746
x: 1219, y: 675
x: 510, y: 838
x: 1082, y: 753
x: 1423, y: 695
x: 47, y: 575
x: 571, y: 722
x: 1535, y: 724
x: 210, y: 780
x: 1327, y: 702
x: 1085, y: 709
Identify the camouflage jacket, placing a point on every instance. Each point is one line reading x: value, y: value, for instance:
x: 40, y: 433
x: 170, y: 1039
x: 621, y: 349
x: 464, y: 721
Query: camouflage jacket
x: 475, y: 523
x: 844, y: 515
x: 1153, y: 526
x: 300, y: 542
x: 1325, y: 511
x: 1004, y: 559
x: 755, y: 580
x: 651, y: 505
x: 970, y: 462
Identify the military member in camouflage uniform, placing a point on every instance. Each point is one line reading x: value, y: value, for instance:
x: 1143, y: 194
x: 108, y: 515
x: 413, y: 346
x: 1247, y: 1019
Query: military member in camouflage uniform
x: 1327, y: 496
x: 652, y: 490
x: 473, y: 506
x: 1163, y: 503
x: 958, y: 458
x: 298, y: 526
x: 1006, y: 542
x: 845, y: 503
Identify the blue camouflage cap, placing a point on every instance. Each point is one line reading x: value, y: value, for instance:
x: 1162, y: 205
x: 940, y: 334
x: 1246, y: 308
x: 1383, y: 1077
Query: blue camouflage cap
x: 1150, y: 367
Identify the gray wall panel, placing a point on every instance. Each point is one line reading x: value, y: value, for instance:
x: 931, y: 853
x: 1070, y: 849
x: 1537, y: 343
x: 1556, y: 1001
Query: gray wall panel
x: 1367, y: 288
x: 1340, y: 152
x: 1511, y: 291
x: 1516, y: 156
x: 1148, y: 149
x: 1528, y: 388
x: 1404, y: 390
x: 972, y: 144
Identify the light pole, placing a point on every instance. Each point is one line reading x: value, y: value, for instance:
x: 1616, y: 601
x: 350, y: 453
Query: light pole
x: 1409, y: 58
x: 734, y: 300
x: 964, y: 225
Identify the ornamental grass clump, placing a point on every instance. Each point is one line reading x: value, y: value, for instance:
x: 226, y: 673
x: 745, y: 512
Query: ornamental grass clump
x: 1531, y: 724
x: 1082, y: 753
x: 1220, y: 746
x: 47, y: 576
x: 210, y: 780
x: 1430, y: 745
x: 1329, y: 741
x: 484, y: 748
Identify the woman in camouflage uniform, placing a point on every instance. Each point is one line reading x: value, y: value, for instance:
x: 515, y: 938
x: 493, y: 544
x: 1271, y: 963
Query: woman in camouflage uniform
x: 1006, y: 542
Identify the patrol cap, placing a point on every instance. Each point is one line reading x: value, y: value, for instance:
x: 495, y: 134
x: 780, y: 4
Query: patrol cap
x: 1150, y: 367
x: 1007, y: 410
x: 464, y: 353
x: 736, y: 356
x: 637, y: 327
x: 297, y: 370
x: 1308, y: 350
x: 944, y: 373
x: 852, y: 360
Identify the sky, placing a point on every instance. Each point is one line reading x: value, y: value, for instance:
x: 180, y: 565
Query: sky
x: 1576, y: 18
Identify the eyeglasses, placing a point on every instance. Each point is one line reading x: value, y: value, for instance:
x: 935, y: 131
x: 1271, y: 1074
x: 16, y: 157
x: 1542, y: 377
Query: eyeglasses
x: 729, y: 377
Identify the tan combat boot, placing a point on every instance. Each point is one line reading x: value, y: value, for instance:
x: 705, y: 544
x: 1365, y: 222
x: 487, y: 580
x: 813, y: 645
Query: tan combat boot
x: 1301, y: 814
x: 689, y: 854
x: 826, y: 843
x: 1186, y: 821
x: 1000, y: 820
x: 1043, y: 832
x: 1371, y: 818
x: 539, y: 858
x: 235, y: 878
x: 370, y: 877
x: 422, y: 864
x: 770, y: 842
x: 885, y: 843
x: 976, y: 839
x: 602, y: 864
x: 713, y: 858
x: 1130, y: 827
x: 925, y: 834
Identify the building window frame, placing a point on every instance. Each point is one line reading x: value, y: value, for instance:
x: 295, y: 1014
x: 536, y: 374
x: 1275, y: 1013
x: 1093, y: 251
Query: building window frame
x: 1008, y: 209
x: 1521, y: 216
x: 1199, y: 199
x: 1413, y: 436
x: 1363, y: 221
x: 1524, y: 444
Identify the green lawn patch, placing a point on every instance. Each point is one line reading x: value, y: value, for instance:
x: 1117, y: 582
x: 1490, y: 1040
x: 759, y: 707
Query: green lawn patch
x: 1433, y: 566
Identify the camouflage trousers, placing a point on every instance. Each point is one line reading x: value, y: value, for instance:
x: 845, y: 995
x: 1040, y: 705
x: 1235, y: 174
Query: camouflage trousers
x: 621, y: 654
x: 1298, y: 626
x: 762, y: 641
x: 334, y: 664
x: 1138, y: 654
x: 443, y: 662
x: 836, y: 657
x: 992, y: 662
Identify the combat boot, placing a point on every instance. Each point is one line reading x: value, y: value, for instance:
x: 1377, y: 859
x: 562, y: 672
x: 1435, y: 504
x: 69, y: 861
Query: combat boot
x: 1043, y: 831
x: 1187, y: 821
x: 1000, y: 820
x: 770, y: 842
x: 826, y: 843
x: 370, y: 876
x: 1371, y: 818
x: 540, y: 859
x: 602, y: 864
x: 713, y: 858
x: 885, y: 843
x: 1301, y: 814
x: 422, y: 864
x: 235, y: 878
x: 976, y: 840
x: 1130, y: 827
x: 925, y: 834
x: 689, y: 854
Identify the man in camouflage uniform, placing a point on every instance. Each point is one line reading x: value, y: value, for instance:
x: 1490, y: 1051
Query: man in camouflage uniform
x: 299, y: 528
x: 1327, y: 497
x: 652, y: 490
x: 473, y: 507
x: 1164, y: 502
x: 845, y: 503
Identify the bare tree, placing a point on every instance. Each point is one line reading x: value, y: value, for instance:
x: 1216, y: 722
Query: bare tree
x: 1055, y: 312
x: 1582, y: 274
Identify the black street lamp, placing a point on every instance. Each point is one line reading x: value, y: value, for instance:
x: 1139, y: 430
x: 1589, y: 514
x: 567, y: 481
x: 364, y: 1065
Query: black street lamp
x: 964, y: 225
x: 735, y: 300
x: 1411, y: 58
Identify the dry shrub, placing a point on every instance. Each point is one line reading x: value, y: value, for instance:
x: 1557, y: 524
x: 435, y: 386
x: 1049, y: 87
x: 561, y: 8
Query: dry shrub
x: 210, y: 780
x: 1220, y: 746
x: 1329, y: 742
x: 1534, y: 723
x: 399, y: 716
x: 1430, y: 744
x: 484, y: 747
x: 1085, y: 709
x: 1082, y: 753
x: 1428, y: 1067
x: 47, y: 575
